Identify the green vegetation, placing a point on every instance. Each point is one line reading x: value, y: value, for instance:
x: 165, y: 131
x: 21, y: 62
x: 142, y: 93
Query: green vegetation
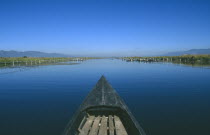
x: 13, y: 61
x: 184, y: 59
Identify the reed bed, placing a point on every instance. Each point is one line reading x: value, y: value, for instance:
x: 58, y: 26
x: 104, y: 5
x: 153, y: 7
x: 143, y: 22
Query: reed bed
x: 13, y: 61
x: 188, y: 59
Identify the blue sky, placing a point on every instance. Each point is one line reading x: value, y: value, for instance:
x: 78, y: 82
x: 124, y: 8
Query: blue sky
x: 104, y: 27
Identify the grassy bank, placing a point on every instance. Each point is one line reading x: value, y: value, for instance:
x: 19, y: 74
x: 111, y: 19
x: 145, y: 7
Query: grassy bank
x: 13, y: 61
x: 187, y: 59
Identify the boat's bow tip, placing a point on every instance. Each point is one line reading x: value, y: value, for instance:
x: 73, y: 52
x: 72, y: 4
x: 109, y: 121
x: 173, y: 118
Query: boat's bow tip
x: 102, y: 78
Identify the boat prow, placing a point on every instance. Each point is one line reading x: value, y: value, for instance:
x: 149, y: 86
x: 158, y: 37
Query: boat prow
x: 103, y: 112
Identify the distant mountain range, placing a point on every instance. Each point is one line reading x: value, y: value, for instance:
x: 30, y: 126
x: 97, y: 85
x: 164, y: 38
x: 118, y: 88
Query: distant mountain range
x: 29, y: 54
x: 192, y: 51
x: 43, y: 54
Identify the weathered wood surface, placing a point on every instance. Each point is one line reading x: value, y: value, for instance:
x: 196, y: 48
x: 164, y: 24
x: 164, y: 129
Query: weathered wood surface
x: 95, y: 127
x: 87, y: 126
x: 120, y: 129
x: 111, y: 125
x: 103, y: 126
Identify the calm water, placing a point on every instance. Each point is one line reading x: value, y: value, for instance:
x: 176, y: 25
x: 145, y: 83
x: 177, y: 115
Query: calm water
x: 167, y: 99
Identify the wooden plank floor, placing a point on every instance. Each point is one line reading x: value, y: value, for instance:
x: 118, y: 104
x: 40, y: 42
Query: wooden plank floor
x: 102, y: 125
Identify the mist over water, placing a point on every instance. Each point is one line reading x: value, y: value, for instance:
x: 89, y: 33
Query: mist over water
x: 166, y: 98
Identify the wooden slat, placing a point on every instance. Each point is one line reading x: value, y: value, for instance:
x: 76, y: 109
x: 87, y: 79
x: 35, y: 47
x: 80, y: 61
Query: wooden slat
x: 87, y: 126
x: 103, y: 127
x: 120, y: 129
x: 82, y: 123
x: 111, y: 125
x: 95, y: 127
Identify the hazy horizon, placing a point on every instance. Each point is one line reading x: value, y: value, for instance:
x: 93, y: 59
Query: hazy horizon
x: 105, y: 28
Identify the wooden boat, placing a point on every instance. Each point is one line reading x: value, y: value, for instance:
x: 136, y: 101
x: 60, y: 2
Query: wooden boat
x: 103, y: 112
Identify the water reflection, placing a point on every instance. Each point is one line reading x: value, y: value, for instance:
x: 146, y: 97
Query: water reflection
x: 7, y: 69
x: 192, y: 64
